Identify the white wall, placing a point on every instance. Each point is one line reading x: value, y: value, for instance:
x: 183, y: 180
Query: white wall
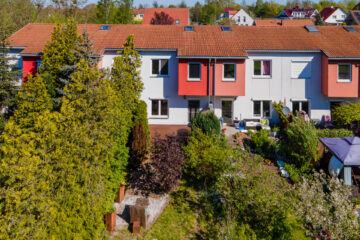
x: 281, y: 86
x: 239, y: 18
x: 340, y: 17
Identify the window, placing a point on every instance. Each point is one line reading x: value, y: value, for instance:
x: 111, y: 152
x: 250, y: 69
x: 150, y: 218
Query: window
x: 194, y: 71
x: 244, y: 18
x: 160, y: 67
x: 261, y: 108
x: 159, y: 107
x: 177, y: 21
x: 298, y: 106
x: 344, y: 73
x: 194, y: 108
x: 300, y: 69
x: 262, y: 67
x: 229, y: 72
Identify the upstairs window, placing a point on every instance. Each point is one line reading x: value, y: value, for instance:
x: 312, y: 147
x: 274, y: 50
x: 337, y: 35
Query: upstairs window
x: 194, y: 71
x: 261, y: 108
x: 160, y: 67
x: 244, y: 18
x: 344, y: 72
x: 177, y: 21
x: 262, y: 68
x: 229, y: 72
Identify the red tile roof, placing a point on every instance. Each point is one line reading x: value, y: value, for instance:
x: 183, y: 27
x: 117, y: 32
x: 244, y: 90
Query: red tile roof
x: 138, y: 11
x: 334, y: 41
x: 283, y: 22
x: 182, y: 14
x: 326, y: 12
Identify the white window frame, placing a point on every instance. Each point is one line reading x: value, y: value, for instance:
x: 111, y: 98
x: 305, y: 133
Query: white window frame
x: 300, y: 101
x: 159, y: 70
x: 261, y: 68
x: 188, y: 68
x: 224, y: 79
x: 159, y: 108
x: 299, y: 61
x: 262, y: 108
x: 338, y: 73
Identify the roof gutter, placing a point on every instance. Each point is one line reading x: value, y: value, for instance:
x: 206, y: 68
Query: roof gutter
x: 209, y: 57
x: 144, y: 49
x: 283, y: 50
x: 344, y: 58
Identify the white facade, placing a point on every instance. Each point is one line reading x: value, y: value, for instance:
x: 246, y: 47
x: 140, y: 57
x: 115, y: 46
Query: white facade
x: 242, y: 18
x: 294, y: 77
x: 337, y: 17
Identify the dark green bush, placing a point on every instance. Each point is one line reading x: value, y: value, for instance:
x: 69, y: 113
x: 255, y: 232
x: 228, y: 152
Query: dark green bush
x: 206, y: 156
x: 346, y: 114
x: 260, y: 143
x: 300, y: 144
x: 334, y: 133
x: 207, y: 121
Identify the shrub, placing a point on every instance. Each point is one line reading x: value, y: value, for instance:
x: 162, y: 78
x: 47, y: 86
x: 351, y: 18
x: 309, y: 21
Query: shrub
x: 346, y: 114
x: 300, y: 144
x: 334, y: 133
x: 326, y: 208
x: 260, y: 143
x: 164, y: 170
x: 206, y: 156
x: 207, y: 122
x: 294, y: 173
x: 257, y: 198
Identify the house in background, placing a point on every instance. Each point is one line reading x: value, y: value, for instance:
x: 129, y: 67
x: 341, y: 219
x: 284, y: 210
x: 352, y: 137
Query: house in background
x: 138, y: 14
x: 333, y: 15
x: 181, y: 16
x: 297, y: 12
x: 239, y: 17
x: 283, y: 22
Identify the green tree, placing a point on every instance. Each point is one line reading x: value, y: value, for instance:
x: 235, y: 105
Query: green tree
x: 57, y: 55
x: 124, y: 13
x: 318, y: 20
x: 9, y: 79
x: 195, y: 13
x: 346, y: 114
x: 126, y: 75
x: 105, y: 11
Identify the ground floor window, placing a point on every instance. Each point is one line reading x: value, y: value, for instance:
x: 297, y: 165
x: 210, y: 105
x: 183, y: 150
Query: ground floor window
x: 298, y: 106
x: 159, y: 107
x: 262, y: 108
x: 194, y: 108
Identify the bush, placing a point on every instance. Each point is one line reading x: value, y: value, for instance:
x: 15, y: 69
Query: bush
x: 346, y: 114
x: 206, y: 156
x: 300, y: 144
x: 259, y: 199
x: 164, y: 171
x: 326, y: 208
x: 260, y: 143
x: 294, y: 173
x: 334, y: 133
x: 207, y: 122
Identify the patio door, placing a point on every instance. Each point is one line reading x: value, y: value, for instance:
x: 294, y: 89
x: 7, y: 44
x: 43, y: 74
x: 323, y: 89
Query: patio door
x: 194, y: 108
x: 227, y: 110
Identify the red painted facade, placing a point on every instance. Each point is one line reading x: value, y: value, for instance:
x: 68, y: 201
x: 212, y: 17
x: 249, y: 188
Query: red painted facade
x: 329, y: 83
x: 201, y: 88
x: 29, y: 66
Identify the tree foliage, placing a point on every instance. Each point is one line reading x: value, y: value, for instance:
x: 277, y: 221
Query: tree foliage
x: 164, y: 171
x: 162, y: 19
x: 206, y: 156
x: 326, y: 208
x: 346, y: 114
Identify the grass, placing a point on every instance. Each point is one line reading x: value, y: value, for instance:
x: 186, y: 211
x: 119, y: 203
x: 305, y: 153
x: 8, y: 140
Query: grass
x: 179, y: 219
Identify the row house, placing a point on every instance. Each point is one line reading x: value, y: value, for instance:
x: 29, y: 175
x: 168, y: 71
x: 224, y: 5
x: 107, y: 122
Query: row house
x: 238, y: 72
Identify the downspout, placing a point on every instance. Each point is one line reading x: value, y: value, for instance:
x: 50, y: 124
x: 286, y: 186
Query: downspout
x: 209, y: 93
x: 214, y: 71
